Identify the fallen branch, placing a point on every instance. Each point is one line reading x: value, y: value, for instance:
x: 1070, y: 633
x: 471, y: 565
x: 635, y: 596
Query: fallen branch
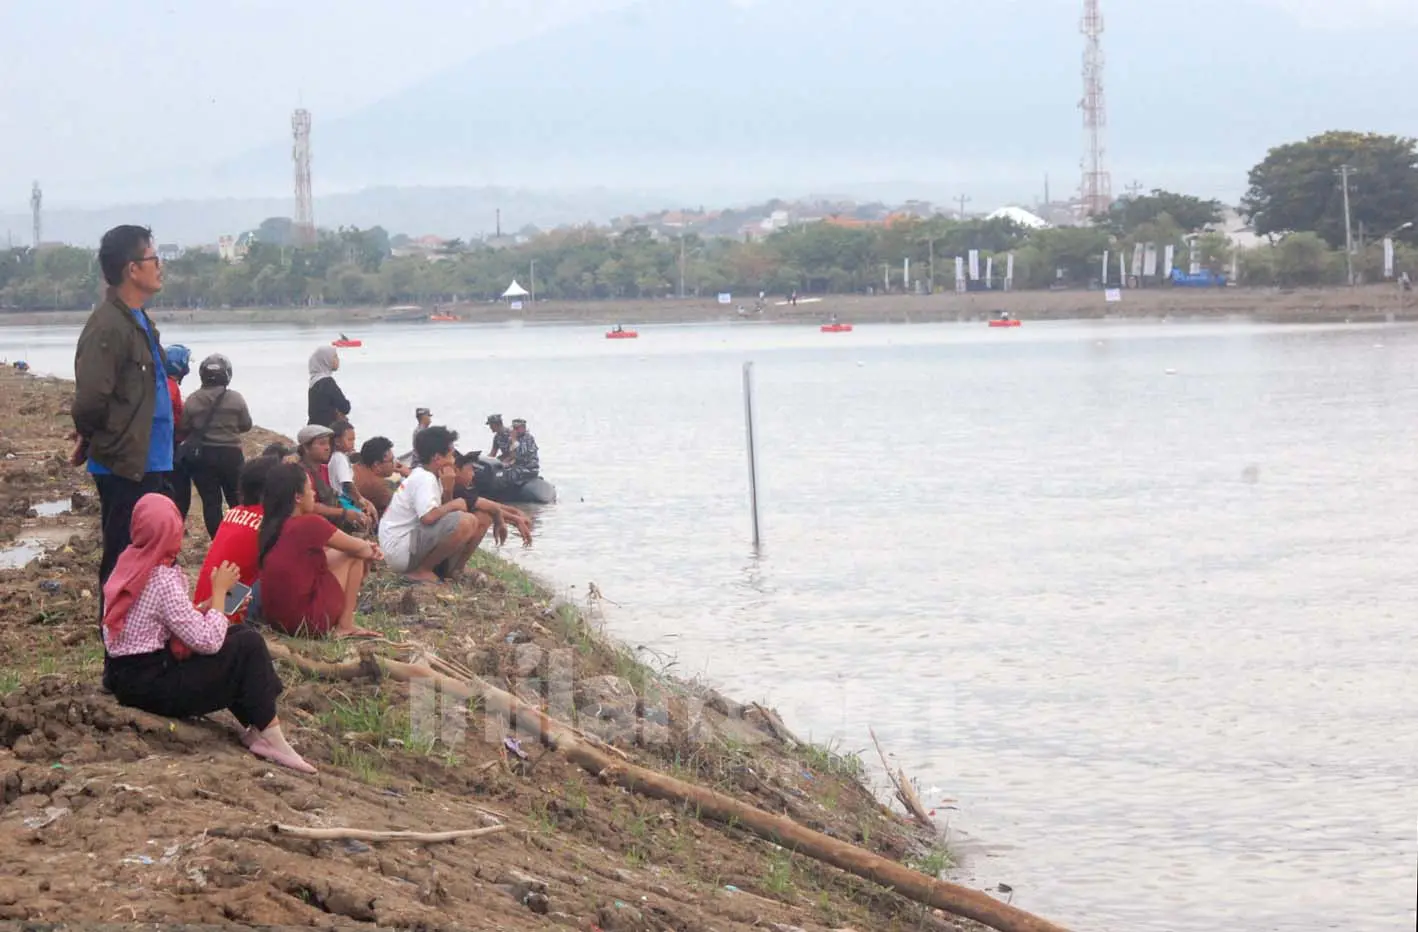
x: 360, y: 834
x: 962, y: 901
x: 904, y: 790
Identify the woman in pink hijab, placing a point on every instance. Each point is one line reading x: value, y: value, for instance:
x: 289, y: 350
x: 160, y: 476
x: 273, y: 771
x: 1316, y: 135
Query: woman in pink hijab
x: 167, y: 657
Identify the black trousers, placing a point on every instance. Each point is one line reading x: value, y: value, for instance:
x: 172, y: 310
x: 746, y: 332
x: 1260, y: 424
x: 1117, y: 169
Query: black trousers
x: 239, y: 677
x: 217, y: 475
x: 181, y: 488
x: 116, y: 498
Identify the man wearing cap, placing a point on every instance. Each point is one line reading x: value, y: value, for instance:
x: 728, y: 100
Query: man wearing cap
x: 527, y: 463
x: 424, y: 418
x: 315, y: 449
x: 501, y: 440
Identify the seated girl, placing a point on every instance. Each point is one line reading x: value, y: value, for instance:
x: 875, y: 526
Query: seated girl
x: 164, y: 656
x: 310, y: 570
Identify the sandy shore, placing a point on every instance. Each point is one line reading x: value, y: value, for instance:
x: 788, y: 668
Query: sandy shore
x: 1329, y: 305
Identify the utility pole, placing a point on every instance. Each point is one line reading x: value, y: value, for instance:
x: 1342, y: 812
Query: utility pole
x: 1344, y: 172
x: 963, y: 200
x: 36, y: 207
x: 1134, y: 189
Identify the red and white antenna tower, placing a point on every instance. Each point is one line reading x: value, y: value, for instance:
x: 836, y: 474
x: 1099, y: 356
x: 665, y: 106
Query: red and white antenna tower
x: 1097, y: 183
x: 304, y: 205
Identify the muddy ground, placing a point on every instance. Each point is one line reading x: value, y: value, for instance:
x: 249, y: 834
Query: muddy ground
x: 108, y: 815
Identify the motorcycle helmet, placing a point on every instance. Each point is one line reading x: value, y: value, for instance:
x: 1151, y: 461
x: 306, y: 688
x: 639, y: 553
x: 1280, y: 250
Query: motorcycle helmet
x: 215, y: 370
x: 178, y: 361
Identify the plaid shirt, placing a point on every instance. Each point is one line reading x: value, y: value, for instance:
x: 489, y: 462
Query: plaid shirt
x: 163, y: 611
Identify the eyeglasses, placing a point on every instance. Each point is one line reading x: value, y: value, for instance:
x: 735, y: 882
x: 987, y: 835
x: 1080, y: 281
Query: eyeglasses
x: 154, y: 259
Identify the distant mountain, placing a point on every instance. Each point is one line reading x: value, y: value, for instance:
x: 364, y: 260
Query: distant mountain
x: 685, y: 95
x: 461, y: 212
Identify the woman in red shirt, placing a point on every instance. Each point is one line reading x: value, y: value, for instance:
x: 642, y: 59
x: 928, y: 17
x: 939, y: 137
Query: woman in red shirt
x: 237, y: 535
x: 310, y: 570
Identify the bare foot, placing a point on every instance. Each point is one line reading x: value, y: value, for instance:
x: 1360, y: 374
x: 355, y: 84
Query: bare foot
x: 250, y: 736
x: 267, y: 751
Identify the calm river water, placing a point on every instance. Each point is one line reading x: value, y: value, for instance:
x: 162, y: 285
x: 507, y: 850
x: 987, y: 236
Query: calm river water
x: 1139, y: 596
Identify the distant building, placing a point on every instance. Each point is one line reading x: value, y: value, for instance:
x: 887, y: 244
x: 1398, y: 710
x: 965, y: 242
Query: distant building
x: 169, y: 251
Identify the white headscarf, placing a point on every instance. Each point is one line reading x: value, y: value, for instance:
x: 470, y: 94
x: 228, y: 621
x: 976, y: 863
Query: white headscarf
x: 322, y: 363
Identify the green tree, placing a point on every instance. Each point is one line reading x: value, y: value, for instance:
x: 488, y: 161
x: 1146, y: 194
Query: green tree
x: 1188, y: 213
x: 1297, y: 187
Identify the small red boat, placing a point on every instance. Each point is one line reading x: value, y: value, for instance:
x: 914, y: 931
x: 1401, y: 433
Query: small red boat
x: 1004, y: 323
x: 836, y: 328
x: 444, y: 317
x: 346, y: 344
x: 619, y: 334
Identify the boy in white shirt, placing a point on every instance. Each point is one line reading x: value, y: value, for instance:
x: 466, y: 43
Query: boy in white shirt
x: 418, y: 532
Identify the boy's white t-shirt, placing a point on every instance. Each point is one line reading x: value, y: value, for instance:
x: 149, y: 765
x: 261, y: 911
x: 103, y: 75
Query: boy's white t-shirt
x: 415, y: 497
x: 340, y: 471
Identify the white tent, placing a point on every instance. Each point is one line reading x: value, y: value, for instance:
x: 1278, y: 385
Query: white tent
x: 515, y: 290
x: 1020, y: 216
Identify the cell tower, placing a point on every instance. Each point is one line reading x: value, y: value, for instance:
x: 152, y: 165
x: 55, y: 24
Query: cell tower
x: 36, y: 202
x: 304, y: 206
x: 1097, y: 183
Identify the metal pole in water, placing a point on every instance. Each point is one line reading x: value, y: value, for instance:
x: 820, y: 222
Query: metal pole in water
x: 752, y: 450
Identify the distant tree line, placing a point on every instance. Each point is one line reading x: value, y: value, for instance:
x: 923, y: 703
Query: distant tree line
x: 1295, y: 200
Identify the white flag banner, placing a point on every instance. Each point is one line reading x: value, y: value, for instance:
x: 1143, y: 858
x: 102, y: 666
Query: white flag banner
x: 1388, y: 257
x: 1194, y: 263
x: 1122, y: 270
x: 1009, y: 268
x: 974, y: 265
x: 989, y: 271
x: 1149, y: 261
x: 1137, y: 260
x: 1169, y: 257
x: 959, y: 274
x: 1104, y: 278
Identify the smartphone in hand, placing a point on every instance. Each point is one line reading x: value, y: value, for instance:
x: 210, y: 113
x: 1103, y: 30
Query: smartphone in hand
x: 235, y: 598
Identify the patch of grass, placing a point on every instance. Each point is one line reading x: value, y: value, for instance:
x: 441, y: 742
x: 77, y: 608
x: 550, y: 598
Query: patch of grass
x: 576, y: 798
x: 510, y: 574
x: 933, y: 862
x: 9, y: 681
x: 830, y: 759
x: 542, y: 817
x: 575, y: 630
x: 778, y: 875
x: 363, y: 766
x: 368, y: 715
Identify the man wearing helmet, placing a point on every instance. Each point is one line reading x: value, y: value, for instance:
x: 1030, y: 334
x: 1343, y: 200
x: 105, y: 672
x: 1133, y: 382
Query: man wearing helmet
x: 213, y: 420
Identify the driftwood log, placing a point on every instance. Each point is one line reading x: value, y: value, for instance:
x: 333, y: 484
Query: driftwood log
x: 562, y: 738
x: 360, y: 834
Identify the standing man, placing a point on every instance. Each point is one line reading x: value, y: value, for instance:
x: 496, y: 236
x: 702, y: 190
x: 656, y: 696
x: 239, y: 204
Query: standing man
x: 501, y: 440
x: 424, y: 418
x: 122, y: 410
x: 527, y: 463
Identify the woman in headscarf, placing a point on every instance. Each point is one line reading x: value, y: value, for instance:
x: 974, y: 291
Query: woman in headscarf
x: 164, y: 656
x: 327, y: 402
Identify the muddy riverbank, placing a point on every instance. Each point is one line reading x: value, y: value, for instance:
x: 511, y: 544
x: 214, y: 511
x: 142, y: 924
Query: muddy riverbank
x: 109, y: 815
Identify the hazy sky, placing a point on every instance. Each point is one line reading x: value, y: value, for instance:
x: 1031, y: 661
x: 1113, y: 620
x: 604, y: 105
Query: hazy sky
x: 93, y: 89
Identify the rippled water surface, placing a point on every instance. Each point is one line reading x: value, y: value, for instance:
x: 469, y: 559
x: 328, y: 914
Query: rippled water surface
x: 1139, y: 596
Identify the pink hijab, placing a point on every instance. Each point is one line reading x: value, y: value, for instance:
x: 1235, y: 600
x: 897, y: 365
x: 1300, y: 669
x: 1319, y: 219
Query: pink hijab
x: 156, y: 535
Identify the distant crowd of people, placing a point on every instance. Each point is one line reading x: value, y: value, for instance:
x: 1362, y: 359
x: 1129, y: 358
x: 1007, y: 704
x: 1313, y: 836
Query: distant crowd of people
x: 294, y: 532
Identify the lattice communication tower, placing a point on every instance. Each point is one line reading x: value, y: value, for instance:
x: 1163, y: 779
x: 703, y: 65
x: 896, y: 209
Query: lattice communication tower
x: 304, y: 203
x: 1097, y: 183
